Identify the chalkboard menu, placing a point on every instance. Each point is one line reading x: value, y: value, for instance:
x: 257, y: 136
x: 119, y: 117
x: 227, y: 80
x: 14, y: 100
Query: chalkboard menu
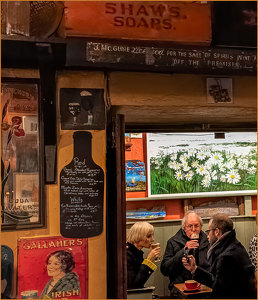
x: 128, y: 55
x: 81, y: 192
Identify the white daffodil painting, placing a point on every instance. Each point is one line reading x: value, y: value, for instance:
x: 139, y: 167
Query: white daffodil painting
x: 190, y: 163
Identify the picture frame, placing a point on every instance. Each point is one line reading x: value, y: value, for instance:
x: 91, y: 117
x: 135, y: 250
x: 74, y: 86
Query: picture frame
x: 219, y: 90
x: 135, y: 176
x: 196, y: 165
x: 22, y: 207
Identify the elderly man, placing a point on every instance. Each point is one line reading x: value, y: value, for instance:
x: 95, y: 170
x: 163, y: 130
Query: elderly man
x: 231, y: 274
x: 189, y: 238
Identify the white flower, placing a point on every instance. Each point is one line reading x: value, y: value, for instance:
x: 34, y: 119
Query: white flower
x: 191, y: 153
x: 223, y: 178
x: 183, y: 157
x: 230, y: 164
x: 214, y: 175
x: 201, y: 170
x: 189, y: 175
x: 195, y: 164
x: 179, y: 175
x: 173, y: 156
x: 243, y: 164
x: 176, y: 165
x: 233, y: 176
x: 185, y: 166
x: 206, y: 181
x: 222, y: 168
x: 170, y: 164
x: 216, y: 158
x: 201, y: 155
x: 252, y: 170
x: 253, y: 162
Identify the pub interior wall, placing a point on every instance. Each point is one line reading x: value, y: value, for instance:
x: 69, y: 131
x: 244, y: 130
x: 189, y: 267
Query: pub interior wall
x: 96, y: 245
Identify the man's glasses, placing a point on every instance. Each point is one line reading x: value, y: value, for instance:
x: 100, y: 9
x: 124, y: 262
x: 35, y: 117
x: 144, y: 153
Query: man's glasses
x: 208, y: 231
x: 193, y: 226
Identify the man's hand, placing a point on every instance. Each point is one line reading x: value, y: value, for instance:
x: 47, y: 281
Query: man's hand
x: 192, y: 244
x: 191, y: 266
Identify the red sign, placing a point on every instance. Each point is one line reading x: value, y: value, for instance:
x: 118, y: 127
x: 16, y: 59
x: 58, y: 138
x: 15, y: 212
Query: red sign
x: 53, y: 267
x: 183, y: 22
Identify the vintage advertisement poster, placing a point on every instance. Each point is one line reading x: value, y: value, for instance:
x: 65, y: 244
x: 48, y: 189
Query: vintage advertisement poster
x: 52, y: 268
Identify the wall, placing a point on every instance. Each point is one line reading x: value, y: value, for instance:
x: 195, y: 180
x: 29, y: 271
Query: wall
x: 96, y: 245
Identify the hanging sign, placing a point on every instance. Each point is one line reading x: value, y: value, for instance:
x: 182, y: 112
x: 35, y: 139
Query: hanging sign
x: 138, y: 56
x: 183, y: 22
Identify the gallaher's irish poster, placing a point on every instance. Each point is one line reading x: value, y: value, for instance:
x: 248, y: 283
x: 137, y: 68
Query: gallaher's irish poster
x: 52, y: 268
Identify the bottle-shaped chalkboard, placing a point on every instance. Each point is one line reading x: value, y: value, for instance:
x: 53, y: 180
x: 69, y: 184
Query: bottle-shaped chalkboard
x: 81, y: 192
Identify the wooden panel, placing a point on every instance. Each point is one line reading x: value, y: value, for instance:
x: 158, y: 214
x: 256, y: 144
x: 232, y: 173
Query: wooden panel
x: 148, y: 20
x: 186, y: 115
x: 179, y: 99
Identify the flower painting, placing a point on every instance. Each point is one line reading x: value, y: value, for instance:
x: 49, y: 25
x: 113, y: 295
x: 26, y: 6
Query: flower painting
x: 192, y: 164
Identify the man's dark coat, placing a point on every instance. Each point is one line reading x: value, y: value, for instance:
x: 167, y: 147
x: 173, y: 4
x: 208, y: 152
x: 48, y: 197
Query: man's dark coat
x: 172, y: 265
x: 231, y: 274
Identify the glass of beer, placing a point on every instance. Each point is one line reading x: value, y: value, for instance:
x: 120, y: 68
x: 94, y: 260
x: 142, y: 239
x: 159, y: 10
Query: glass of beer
x: 153, y: 246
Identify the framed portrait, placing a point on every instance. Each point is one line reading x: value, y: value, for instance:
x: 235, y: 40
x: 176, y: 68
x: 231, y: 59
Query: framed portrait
x: 22, y: 196
x: 196, y: 165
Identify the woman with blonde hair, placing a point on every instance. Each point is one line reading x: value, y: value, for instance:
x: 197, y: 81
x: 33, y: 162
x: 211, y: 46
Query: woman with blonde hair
x: 140, y: 236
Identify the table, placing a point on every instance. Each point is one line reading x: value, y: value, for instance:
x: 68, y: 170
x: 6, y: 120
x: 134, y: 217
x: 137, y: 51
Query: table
x: 204, y: 291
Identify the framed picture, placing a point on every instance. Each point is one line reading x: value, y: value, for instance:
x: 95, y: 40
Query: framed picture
x: 22, y: 157
x: 219, y: 90
x: 196, y: 165
x: 135, y: 175
x: 82, y: 109
x: 58, y: 259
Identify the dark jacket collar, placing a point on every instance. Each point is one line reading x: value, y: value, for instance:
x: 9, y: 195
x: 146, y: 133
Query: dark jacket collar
x: 133, y: 249
x: 222, y: 244
x: 181, y: 238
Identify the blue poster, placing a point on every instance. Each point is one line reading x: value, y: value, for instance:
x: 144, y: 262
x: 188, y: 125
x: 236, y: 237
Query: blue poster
x: 135, y: 175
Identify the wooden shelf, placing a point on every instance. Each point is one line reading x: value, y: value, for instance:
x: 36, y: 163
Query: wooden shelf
x: 179, y: 220
x: 197, y: 195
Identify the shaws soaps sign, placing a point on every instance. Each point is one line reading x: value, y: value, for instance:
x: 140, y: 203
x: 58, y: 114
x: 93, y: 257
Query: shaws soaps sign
x: 183, y: 22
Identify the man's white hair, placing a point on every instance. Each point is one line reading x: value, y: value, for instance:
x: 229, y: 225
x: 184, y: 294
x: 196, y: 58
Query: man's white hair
x: 185, y: 218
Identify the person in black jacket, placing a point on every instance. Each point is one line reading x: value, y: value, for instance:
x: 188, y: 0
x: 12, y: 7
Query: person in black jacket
x: 189, y: 238
x: 139, y: 270
x: 231, y: 275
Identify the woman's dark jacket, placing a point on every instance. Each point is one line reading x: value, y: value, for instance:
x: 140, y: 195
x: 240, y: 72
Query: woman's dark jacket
x: 137, y: 272
x: 172, y: 265
x: 231, y: 274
